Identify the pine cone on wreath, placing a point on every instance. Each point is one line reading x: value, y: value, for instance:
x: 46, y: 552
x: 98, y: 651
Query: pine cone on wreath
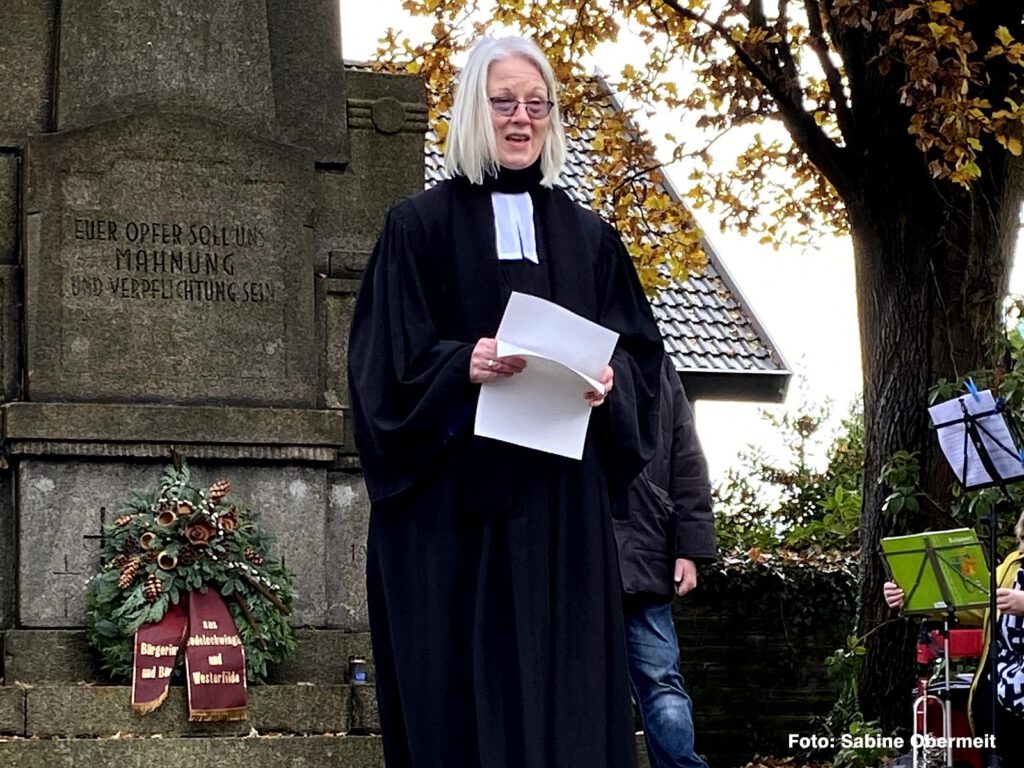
x: 253, y: 556
x: 153, y: 588
x: 128, y: 573
x: 132, y: 546
x: 219, y: 490
x: 123, y: 520
x: 187, y: 554
x: 119, y: 561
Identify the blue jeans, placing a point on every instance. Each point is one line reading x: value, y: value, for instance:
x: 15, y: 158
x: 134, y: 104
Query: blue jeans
x: 657, y: 684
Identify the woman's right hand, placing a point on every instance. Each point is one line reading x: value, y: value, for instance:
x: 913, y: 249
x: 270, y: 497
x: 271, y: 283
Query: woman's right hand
x: 485, y: 365
x: 893, y: 594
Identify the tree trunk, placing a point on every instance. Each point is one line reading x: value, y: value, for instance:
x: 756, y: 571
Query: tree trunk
x: 932, y: 268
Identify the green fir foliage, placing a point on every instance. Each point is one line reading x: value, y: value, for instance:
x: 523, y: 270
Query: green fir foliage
x: 179, y: 539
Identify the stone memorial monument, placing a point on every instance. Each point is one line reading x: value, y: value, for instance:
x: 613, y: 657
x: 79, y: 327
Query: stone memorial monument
x: 188, y: 193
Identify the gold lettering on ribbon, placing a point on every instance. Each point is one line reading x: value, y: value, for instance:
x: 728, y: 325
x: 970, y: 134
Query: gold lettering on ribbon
x: 214, y: 662
x: 148, y: 649
x: 216, y: 678
x: 232, y: 640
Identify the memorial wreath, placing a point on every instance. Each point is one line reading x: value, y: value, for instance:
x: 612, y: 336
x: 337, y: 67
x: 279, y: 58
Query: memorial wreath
x: 184, y: 570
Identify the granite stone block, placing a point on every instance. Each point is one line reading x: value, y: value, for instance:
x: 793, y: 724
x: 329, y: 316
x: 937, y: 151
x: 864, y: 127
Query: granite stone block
x: 64, y: 656
x: 12, y: 711
x: 8, y: 206
x: 228, y: 752
x: 98, y: 711
x: 308, y: 77
x: 62, y: 504
x: 8, y: 554
x: 10, y: 333
x: 26, y: 68
x: 50, y: 657
x: 322, y: 657
x: 339, y: 303
x: 387, y: 123
x: 123, y: 57
x: 348, y: 519
x: 168, y: 259
x: 85, y: 431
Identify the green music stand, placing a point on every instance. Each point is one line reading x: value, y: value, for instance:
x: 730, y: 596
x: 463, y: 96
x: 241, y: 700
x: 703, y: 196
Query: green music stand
x: 939, y: 571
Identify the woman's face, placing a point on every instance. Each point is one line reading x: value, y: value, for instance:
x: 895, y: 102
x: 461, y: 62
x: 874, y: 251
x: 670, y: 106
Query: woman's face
x: 520, y: 138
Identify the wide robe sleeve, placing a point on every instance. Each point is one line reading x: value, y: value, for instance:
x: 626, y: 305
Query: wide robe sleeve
x: 410, y: 390
x: 631, y: 415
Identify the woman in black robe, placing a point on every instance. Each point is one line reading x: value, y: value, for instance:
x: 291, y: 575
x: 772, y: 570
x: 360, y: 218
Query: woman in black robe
x: 492, y: 579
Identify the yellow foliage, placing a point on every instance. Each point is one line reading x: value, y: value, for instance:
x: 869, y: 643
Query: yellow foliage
x: 939, y: 31
x: 746, y: 62
x: 1012, y: 144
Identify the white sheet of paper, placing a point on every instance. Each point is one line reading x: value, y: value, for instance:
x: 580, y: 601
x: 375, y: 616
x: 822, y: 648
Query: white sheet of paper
x: 543, y: 407
x: 995, y: 436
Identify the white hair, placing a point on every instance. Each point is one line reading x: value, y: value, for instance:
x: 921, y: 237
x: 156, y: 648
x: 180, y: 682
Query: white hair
x: 472, y: 149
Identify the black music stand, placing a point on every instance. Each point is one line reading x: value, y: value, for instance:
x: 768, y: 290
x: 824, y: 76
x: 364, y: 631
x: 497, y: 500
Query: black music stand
x: 977, y: 443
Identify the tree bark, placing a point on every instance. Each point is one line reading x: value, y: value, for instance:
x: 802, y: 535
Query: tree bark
x: 932, y: 266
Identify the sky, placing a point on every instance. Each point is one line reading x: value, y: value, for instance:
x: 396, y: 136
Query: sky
x: 805, y: 299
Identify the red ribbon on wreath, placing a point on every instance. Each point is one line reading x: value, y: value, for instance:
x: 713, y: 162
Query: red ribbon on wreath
x: 214, y: 659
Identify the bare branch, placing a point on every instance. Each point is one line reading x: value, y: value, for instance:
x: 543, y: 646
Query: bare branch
x: 636, y: 174
x: 826, y: 155
x: 790, y: 71
x: 695, y: 153
x: 755, y: 13
x: 579, y: 22
x: 832, y: 76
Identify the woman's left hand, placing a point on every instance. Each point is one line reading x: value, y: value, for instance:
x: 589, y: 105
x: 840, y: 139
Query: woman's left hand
x: 608, y: 381
x: 1010, y: 601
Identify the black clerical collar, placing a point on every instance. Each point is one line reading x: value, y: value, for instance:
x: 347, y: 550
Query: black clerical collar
x: 511, y: 181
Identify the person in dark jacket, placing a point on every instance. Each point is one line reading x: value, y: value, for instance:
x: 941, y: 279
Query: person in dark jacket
x: 668, y: 531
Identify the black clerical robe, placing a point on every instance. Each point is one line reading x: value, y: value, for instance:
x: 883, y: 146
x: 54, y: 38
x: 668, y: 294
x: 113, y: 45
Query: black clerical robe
x: 492, y: 580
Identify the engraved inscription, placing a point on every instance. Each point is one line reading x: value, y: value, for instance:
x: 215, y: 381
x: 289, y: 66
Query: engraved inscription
x: 169, y: 261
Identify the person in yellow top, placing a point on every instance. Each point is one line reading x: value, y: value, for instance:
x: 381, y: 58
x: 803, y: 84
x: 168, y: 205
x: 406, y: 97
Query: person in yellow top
x: 1008, y: 600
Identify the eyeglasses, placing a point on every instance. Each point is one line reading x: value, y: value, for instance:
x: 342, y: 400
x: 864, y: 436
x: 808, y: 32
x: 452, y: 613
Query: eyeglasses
x: 535, y: 108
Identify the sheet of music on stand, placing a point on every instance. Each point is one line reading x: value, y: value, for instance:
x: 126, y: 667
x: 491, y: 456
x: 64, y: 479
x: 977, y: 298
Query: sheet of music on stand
x: 993, y: 431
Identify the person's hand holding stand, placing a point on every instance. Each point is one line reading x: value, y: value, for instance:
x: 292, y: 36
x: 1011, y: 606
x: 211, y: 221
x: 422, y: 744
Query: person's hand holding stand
x: 893, y: 595
x: 485, y: 365
x: 1010, y: 601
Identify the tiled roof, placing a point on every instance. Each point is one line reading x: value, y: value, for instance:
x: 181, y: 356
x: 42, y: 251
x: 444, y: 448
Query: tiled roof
x: 711, y: 333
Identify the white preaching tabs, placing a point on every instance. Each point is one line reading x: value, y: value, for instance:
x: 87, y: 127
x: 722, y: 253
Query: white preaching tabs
x: 544, y: 406
x: 995, y: 437
x: 514, y: 233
